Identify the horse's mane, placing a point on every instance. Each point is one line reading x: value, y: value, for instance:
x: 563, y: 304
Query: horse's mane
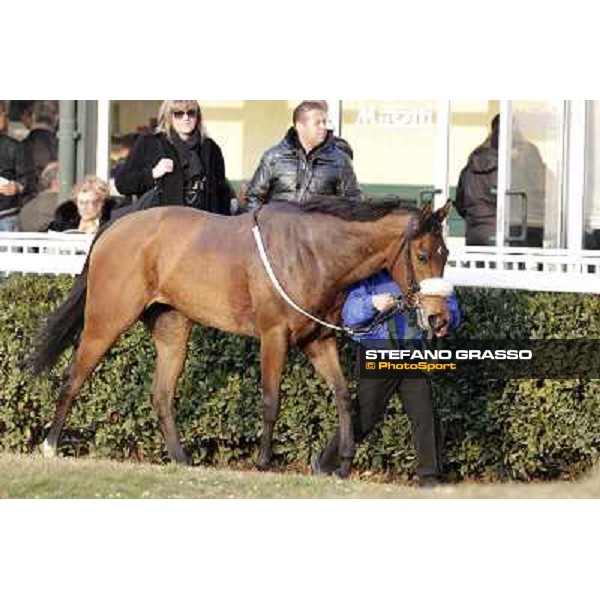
x: 349, y: 210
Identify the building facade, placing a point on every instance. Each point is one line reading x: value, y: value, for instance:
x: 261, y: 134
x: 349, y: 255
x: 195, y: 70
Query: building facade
x: 416, y: 150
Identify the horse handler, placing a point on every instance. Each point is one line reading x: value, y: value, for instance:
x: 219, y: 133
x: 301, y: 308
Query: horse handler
x: 366, y: 300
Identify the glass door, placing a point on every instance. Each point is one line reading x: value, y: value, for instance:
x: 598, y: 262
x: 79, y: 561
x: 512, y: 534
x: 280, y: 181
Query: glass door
x: 534, y: 212
x: 394, y: 143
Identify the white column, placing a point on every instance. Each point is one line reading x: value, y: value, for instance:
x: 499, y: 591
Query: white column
x: 103, y: 143
x: 442, y: 152
x: 504, y: 147
x: 575, y: 173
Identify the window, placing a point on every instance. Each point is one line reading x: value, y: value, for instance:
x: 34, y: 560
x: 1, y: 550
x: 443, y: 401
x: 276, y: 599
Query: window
x: 394, y: 145
x: 534, y: 208
x: 591, y: 219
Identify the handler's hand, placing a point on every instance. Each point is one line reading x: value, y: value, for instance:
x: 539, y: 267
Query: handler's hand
x: 163, y: 166
x: 383, y: 302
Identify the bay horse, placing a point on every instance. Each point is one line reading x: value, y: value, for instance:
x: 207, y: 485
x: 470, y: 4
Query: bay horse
x: 173, y: 266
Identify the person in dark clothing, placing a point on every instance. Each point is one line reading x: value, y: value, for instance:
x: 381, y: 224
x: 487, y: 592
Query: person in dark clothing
x: 121, y: 147
x: 306, y: 163
x: 180, y: 162
x: 38, y: 213
x: 41, y: 142
x: 17, y: 176
x: 366, y: 300
x: 476, y: 195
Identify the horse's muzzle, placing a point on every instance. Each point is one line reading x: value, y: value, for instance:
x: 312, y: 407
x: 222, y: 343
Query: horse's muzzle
x: 439, y: 325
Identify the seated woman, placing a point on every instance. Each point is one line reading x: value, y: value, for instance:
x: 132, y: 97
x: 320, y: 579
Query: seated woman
x: 89, y: 207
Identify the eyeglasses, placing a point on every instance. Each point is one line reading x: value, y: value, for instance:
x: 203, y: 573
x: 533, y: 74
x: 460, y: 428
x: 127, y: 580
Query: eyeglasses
x: 179, y: 114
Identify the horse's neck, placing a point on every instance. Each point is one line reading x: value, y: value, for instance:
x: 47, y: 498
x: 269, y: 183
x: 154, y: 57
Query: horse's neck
x: 318, y: 259
x: 355, y: 250
x: 374, y: 242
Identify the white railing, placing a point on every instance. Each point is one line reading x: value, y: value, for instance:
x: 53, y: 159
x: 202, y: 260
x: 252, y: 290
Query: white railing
x: 527, y: 269
x: 54, y: 253
x: 489, y: 266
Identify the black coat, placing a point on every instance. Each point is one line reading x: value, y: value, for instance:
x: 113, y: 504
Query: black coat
x: 66, y: 216
x: 476, y: 196
x: 16, y: 165
x: 135, y: 178
x: 42, y: 145
x: 287, y: 173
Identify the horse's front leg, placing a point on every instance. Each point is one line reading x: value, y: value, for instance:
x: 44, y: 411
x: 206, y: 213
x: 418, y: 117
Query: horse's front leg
x: 273, y: 350
x: 324, y: 356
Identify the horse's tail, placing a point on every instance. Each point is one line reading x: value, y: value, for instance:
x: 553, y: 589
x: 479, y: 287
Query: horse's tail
x: 65, y: 325
x: 62, y: 329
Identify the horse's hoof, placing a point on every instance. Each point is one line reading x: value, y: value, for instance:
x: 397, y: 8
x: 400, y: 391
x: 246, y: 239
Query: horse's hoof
x: 263, y: 465
x: 316, y: 468
x: 48, y: 451
x: 344, y: 470
x: 315, y: 465
x: 428, y: 482
x: 183, y: 460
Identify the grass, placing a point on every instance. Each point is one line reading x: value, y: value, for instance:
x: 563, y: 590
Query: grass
x: 34, y: 477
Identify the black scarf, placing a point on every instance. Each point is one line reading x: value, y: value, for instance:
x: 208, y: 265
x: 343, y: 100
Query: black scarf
x: 189, y: 156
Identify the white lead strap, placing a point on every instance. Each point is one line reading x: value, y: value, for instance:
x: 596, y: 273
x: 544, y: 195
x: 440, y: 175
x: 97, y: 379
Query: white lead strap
x: 267, y: 265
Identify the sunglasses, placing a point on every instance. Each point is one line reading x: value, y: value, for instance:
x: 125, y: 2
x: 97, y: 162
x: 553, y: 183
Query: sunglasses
x: 179, y: 114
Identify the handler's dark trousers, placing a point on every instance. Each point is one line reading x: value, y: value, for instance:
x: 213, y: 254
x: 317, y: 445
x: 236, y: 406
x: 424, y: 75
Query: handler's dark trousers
x: 373, y: 399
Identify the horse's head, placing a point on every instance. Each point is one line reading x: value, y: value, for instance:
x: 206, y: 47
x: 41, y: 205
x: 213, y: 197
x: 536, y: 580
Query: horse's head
x: 419, y: 267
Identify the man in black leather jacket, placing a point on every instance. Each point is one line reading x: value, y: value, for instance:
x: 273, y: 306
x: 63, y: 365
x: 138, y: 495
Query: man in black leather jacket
x: 306, y: 163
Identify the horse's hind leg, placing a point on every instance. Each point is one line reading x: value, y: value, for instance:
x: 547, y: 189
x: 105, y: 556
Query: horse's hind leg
x: 106, y: 318
x: 324, y: 356
x: 91, y: 349
x: 273, y: 350
x: 170, y: 330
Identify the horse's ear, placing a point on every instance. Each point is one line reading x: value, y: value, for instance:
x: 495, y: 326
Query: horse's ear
x: 424, y: 217
x: 442, y: 214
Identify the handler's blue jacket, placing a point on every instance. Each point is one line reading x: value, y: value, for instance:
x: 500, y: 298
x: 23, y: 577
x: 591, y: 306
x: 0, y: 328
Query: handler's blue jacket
x: 358, y: 311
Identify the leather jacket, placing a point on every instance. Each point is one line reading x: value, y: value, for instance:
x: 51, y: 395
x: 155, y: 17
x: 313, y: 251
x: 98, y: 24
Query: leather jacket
x: 287, y: 174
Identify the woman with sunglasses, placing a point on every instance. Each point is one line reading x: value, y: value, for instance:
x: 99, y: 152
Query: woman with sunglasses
x: 179, y: 164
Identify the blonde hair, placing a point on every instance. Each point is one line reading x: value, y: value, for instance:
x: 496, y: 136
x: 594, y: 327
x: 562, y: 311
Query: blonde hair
x: 165, y: 116
x: 91, y: 183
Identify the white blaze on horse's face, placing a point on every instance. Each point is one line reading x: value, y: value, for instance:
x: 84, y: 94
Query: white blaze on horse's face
x: 431, y: 298
x: 432, y: 307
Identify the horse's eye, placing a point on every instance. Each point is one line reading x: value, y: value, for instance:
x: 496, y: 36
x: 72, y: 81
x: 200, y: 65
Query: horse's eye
x: 422, y: 258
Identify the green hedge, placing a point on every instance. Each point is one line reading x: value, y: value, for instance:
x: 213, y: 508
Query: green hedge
x: 493, y: 430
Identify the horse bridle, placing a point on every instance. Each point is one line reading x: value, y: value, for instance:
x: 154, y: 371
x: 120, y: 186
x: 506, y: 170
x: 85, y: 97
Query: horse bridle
x: 411, y: 300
